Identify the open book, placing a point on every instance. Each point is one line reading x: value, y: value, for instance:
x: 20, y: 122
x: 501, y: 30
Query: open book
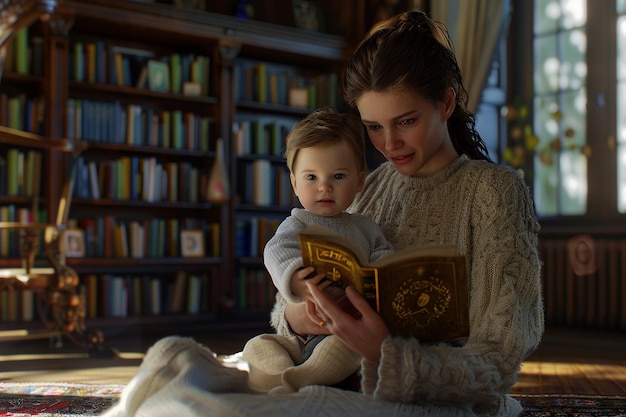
x: 418, y: 292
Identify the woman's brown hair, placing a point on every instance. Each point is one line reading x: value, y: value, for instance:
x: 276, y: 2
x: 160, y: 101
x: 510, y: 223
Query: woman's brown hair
x: 411, y: 50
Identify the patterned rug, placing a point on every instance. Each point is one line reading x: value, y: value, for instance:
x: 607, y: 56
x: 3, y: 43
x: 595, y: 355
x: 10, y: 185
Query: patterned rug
x: 56, y: 400
x: 73, y: 400
x: 563, y: 405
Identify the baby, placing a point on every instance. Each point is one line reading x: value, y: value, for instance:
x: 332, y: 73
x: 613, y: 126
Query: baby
x: 325, y: 154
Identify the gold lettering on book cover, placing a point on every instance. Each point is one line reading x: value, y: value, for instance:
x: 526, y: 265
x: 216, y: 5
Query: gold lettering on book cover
x: 341, y: 268
x: 334, y: 256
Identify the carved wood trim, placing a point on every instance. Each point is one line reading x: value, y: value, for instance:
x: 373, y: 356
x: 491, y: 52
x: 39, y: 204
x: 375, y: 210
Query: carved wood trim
x: 15, y: 14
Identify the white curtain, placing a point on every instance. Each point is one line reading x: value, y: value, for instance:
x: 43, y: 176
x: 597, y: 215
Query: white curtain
x: 475, y: 27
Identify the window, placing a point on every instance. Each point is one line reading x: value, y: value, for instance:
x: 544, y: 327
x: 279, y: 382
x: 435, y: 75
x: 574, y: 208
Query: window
x: 559, y: 107
x: 488, y: 122
x: 572, y: 85
x: 621, y: 105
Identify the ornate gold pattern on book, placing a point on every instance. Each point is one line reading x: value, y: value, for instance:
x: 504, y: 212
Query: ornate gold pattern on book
x: 421, y: 302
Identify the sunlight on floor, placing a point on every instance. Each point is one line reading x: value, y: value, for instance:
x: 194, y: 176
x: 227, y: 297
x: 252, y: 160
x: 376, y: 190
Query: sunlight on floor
x: 574, y: 376
x: 96, y: 375
x: 31, y: 357
x: 617, y: 372
x: 47, y: 356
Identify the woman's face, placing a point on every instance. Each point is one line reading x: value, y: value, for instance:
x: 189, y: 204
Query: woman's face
x: 410, y: 131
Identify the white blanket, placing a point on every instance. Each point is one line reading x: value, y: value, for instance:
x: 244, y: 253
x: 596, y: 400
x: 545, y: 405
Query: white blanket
x: 179, y: 377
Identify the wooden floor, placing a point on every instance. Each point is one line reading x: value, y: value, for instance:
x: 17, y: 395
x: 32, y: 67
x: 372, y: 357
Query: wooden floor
x: 568, y: 361
x: 576, y: 362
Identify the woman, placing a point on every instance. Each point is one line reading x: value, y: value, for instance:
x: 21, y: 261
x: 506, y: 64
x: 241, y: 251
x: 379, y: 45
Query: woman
x: 437, y: 187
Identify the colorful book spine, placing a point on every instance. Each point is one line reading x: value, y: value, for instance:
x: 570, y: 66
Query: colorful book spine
x: 175, y: 73
x: 21, y: 51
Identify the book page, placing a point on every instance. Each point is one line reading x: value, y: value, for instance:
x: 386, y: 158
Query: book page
x: 412, y: 252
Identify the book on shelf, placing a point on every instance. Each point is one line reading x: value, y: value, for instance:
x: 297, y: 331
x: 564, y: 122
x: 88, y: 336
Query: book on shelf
x: 194, y: 292
x: 28, y: 305
x: 21, y: 172
x: 199, y: 73
x: 253, y: 289
x: 21, y: 51
x: 263, y: 184
x: 142, y: 79
x: 125, y: 65
x: 419, y: 292
x: 37, y: 64
x: 90, y: 62
x: 177, y: 300
x: 176, y: 76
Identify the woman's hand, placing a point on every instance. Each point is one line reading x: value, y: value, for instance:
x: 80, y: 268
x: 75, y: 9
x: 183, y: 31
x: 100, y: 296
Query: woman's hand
x: 301, y: 321
x: 364, y: 335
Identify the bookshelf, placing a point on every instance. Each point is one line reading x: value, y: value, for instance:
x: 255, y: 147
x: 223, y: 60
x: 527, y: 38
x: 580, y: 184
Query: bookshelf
x: 149, y: 89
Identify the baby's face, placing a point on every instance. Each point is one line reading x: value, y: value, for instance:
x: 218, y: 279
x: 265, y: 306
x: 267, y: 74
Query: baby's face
x: 326, y: 178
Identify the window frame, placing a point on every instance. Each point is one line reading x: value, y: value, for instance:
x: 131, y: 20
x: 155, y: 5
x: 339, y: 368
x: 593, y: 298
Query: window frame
x: 601, y: 30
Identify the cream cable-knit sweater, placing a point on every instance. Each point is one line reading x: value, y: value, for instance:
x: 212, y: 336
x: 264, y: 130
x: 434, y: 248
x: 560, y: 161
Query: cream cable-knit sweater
x: 282, y: 254
x: 486, y: 210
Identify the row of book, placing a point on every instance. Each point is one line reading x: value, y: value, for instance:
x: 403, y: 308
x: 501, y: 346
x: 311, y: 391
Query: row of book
x: 20, y: 172
x: 99, y: 62
x: 263, y: 183
x: 252, y: 233
x: 276, y: 84
x: 10, y: 238
x: 22, y: 113
x: 24, y: 53
x: 136, y: 178
x: 123, y: 296
x: 133, y: 124
x: 107, y: 237
x: 261, y: 136
x: 110, y: 237
x: 18, y: 305
x: 253, y: 290
x: 135, y: 296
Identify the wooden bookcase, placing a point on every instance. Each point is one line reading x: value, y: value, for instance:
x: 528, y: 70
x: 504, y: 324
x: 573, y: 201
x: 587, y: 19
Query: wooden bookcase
x: 86, y: 65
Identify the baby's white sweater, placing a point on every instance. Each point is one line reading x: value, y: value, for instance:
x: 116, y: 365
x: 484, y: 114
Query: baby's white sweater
x: 282, y: 254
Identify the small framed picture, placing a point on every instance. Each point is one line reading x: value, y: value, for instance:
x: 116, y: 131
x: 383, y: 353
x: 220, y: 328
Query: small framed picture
x: 158, y: 76
x: 73, y: 243
x: 191, y: 88
x: 192, y: 243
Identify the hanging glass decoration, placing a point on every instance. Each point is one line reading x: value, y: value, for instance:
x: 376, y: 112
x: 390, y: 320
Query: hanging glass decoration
x: 218, y: 189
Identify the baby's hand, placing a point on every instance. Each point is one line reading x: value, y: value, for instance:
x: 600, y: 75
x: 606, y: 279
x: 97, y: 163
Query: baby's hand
x: 298, y: 281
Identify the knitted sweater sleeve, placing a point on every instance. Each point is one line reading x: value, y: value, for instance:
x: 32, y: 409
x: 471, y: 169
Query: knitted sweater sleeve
x: 282, y: 256
x: 506, y: 312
